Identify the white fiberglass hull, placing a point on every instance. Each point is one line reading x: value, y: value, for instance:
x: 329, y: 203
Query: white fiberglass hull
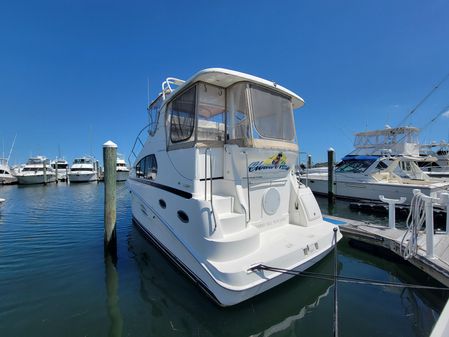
x: 122, y: 175
x: 230, y: 282
x: 372, y: 190
x: 82, y: 177
x: 7, y: 179
x: 36, y: 179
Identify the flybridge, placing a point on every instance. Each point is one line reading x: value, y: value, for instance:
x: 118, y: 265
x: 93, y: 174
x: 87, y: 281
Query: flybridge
x: 393, y: 141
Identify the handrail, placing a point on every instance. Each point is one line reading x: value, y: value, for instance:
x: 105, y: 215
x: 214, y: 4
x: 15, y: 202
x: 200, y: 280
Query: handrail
x: 211, y: 182
x: 205, y: 174
x: 247, y: 181
x: 166, y: 87
x: 135, y: 143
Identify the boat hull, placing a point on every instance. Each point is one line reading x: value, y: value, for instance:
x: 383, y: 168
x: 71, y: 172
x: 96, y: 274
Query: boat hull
x: 371, y: 190
x: 7, y: 180
x: 36, y: 179
x: 226, y: 287
x: 82, y: 177
x: 122, y: 175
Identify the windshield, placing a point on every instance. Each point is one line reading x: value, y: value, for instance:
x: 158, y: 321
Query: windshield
x: 354, y: 165
x: 273, y: 114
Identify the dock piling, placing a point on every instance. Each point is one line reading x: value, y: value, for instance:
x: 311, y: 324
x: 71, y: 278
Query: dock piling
x: 335, y: 283
x: 109, y: 162
x: 56, y: 171
x: 45, y: 173
x: 330, y: 175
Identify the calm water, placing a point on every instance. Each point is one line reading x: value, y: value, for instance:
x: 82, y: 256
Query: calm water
x: 55, y: 281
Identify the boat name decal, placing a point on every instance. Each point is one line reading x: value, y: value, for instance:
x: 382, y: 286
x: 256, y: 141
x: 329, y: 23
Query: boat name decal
x: 277, y: 161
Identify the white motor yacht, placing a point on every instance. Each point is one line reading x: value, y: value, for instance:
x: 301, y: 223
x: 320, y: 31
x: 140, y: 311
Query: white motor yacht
x: 439, y: 167
x: 37, y: 170
x: 61, y: 167
x: 122, y: 169
x: 6, y: 173
x: 383, y: 163
x: 83, y: 170
x: 214, y: 185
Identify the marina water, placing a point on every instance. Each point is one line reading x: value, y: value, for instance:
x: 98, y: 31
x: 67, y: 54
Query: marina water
x: 55, y: 280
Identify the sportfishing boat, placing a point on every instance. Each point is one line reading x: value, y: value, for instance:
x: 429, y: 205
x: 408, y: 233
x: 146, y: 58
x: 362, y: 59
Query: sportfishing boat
x: 83, y: 169
x: 439, y: 167
x: 214, y: 185
x: 384, y: 162
x: 6, y: 173
x: 61, y: 167
x: 122, y: 169
x: 37, y: 170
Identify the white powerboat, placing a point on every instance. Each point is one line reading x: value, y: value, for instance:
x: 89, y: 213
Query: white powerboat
x: 61, y: 167
x: 37, y: 170
x: 83, y: 169
x: 122, y: 169
x: 6, y: 174
x: 438, y: 168
x: 383, y: 163
x: 214, y: 187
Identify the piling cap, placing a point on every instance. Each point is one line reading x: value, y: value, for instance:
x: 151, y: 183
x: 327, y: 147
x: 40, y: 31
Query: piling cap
x: 331, y: 149
x: 109, y: 143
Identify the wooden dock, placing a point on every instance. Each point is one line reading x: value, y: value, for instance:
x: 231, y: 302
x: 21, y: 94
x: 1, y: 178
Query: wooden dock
x: 383, y: 236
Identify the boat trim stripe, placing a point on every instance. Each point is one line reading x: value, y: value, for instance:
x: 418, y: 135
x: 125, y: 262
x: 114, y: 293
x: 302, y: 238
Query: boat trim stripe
x: 214, y: 178
x: 173, y: 190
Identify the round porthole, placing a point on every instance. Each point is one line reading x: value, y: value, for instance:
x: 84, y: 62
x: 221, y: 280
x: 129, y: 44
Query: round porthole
x: 162, y: 203
x: 183, y: 216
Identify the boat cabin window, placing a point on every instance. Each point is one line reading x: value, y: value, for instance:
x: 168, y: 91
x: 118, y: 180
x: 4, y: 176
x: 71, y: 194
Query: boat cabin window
x: 272, y: 113
x: 211, y: 111
x: 153, y: 114
x: 354, y: 165
x: 146, y: 168
x: 182, y: 113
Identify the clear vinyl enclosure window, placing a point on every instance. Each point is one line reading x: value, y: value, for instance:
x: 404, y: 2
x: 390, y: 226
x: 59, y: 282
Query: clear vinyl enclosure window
x: 237, y: 118
x: 153, y: 115
x: 211, y: 111
x: 272, y: 114
x: 182, y: 111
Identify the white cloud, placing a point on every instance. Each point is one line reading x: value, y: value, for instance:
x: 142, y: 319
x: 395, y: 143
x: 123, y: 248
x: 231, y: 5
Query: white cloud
x: 446, y: 113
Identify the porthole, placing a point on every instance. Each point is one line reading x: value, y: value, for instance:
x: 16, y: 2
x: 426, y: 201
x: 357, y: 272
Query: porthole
x: 162, y: 203
x: 183, y: 216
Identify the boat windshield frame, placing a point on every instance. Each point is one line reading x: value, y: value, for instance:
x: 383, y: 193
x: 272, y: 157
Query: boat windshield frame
x: 355, y: 165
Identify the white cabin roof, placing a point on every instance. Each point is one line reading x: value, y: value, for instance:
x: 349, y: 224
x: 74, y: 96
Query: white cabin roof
x: 225, y: 78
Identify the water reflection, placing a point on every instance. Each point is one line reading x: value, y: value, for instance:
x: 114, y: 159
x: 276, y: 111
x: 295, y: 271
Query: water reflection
x: 112, y: 284
x: 177, y: 306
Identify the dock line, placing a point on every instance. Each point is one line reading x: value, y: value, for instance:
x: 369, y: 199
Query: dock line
x: 346, y: 279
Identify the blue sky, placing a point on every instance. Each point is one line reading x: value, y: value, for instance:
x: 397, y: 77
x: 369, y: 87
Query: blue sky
x: 73, y: 74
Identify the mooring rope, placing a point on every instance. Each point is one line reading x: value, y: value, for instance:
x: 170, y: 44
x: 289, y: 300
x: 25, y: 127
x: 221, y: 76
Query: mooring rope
x: 346, y: 279
x: 415, y: 222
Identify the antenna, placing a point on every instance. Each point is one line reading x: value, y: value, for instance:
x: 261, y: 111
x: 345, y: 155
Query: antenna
x: 12, y: 146
x: 423, y: 100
